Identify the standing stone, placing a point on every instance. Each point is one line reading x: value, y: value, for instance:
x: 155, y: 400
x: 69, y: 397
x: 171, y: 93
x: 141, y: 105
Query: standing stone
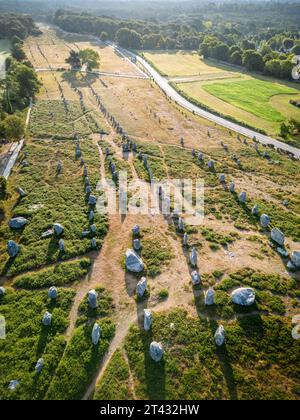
x: 244, y: 296
x: 93, y: 228
x: 52, y: 292
x: 211, y: 164
x: 21, y: 192
x: 93, y: 243
x: 17, y: 222
x: 200, y: 157
x: 180, y: 224
x: 59, y: 167
x: 47, y: 319
x: 13, y: 385
x: 92, y: 298
x: 96, y: 334
x: 88, y: 189
x: 265, y: 220
x: 58, y: 229
x: 13, y: 249
x: 133, y: 262
x: 295, y: 257
x: 85, y: 171
x: 193, y: 153
x: 209, y: 298
x: 255, y: 210
x: 61, y: 245
x: 147, y: 319
x: 39, y: 365
x: 156, y: 351
x: 185, y: 239
x: 91, y: 216
x: 220, y: 336
x: 243, y: 197
x: 137, y: 244
x: 222, y: 178
x: 2, y: 291
x: 195, y: 278
x: 141, y: 287
x: 92, y: 200
x: 193, y: 257
x: 277, y: 236
x: 232, y: 187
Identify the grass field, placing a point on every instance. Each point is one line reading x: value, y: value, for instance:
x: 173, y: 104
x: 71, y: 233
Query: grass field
x: 252, y: 95
x: 260, y: 102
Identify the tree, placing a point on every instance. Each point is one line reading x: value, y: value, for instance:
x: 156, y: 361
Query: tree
x: 253, y: 61
x: 296, y: 49
x: 128, y: 38
x: 74, y: 60
x: 104, y: 36
x: 236, y: 58
x: 90, y: 58
x: 286, y: 69
x: 273, y: 68
x: 13, y: 127
x: 26, y: 77
x: 17, y: 52
x: 288, y: 43
x: 220, y: 52
x: 248, y: 45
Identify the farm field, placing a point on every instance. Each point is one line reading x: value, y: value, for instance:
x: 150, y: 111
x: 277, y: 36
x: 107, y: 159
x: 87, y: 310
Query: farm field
x: 260, y: 102
x: 260, y: 357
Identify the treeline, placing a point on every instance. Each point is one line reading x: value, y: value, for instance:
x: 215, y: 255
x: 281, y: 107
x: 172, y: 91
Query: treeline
x: 265, y: 52
x: 19, y: 86
x: 12, y: 24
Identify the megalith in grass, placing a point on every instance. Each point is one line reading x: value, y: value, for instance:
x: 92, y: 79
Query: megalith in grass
x: 243, y: 197
x: 209, y: 298
x: 92, y: 298
x: 92, y: 200
x: 13, y: 384
x: 141, y: 287
x: 21, y: 192
x: 137, y: 244
x: 232, y: 187
x: 295, y: 257
x: 2, y: 291
x: 39, y: 365
x: 17, y: 222
x: 96, y: 334
x: 156, y: 351
x: 147, y: 319
x: 12, y: 248
x: 52, y: 292
x: 58, y: 229
x: 265, y: 220
x: 47, y: 319
x: 220, y: 336
x: 244, y: 296
x: 136, y: 230
x: 133, y: 262
x: 195, y: 278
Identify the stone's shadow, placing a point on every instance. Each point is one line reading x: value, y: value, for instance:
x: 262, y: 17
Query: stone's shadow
x: 224, y: 360
x: 131, y: 281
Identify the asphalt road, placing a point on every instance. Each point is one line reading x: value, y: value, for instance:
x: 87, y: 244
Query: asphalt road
x: 180, y: 100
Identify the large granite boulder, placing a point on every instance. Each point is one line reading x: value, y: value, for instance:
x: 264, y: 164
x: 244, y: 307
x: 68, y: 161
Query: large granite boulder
x: 277, y: 236
x: 209, y: 298
x: 58, y: 229
x: 220, y: 336
x: 133, y: 262
x: 194, y: 257
x: 147, y: 319
x: 265, y: 220
x: 92, y: 298
x: 295, y: 257
x: 52, y: 292
x: 17, y: 222
x: 195, y: 278
x: 244, y: 296
x: 156, y: 351
x: 39, y: 365
x: 47, y: 319
x: 96, y: 334
x: 141, y: 287
x: 13, y: 249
